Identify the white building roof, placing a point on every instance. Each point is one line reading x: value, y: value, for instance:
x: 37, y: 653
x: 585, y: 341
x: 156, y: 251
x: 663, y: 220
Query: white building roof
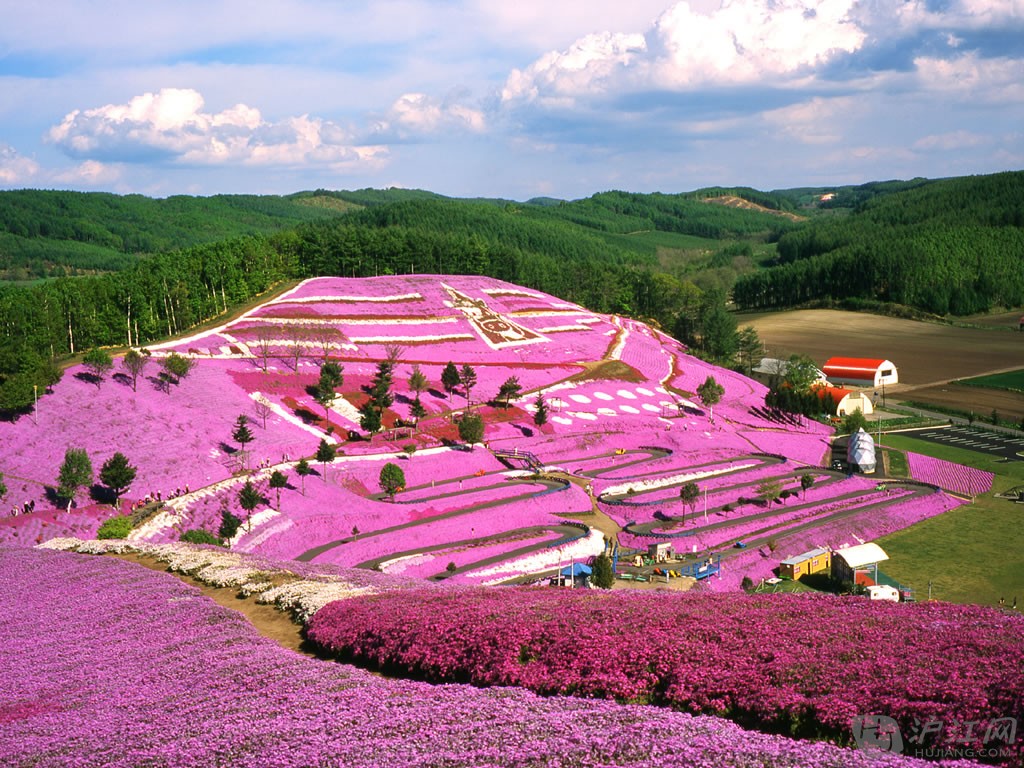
x: 796, y: 559
x: 862, y: 554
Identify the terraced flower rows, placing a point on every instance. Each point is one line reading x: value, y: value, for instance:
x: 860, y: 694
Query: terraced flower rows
x: 612, y: 386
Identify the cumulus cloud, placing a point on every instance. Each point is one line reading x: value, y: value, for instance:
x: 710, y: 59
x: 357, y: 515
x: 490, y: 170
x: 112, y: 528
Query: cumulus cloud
x: 417, y: 114
x: 741, y: 43
x: 172, y: 125
x: 15, y: 169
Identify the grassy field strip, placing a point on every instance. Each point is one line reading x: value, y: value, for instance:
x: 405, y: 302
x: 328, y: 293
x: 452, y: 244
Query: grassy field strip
x: 974, y: 553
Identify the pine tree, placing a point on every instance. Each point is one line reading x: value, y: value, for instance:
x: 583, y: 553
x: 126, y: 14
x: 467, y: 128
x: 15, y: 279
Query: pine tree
x: 325, y: 453
x: 392, y: 479
x: 117, y: 474
x: 248, y: 499
x: 509, y: 390
x: 450, y: 378
x: 416, y: 410
x: 540, y: 418
x: 277, y: 482
x: 417, y: 381
x: 468, y: 377
x: 303, y: 470
x: 602, y: 575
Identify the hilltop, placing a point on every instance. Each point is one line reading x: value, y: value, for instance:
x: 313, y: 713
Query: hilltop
x: 626, y: 428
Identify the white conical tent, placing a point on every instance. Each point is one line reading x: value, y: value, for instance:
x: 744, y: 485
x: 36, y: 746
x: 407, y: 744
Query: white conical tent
x: 860, y: 451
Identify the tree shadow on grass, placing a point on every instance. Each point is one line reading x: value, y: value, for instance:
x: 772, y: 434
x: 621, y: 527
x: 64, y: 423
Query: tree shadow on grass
x: 89, y: 378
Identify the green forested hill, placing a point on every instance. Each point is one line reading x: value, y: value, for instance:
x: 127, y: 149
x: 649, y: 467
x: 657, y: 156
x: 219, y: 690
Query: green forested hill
x: 947, y: 246
x: 148, y: 269
x: 54, y: 233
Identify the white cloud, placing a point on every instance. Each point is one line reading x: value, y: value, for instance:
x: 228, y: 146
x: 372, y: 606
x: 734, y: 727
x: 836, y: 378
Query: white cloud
x: 417, y: 114
x: 15, y: 169
x: 172, y: 124
x: 89, y: 174
x: 818, y: 121
x: 981, y: 81
x: 953, y: 140
x: 744, y: 42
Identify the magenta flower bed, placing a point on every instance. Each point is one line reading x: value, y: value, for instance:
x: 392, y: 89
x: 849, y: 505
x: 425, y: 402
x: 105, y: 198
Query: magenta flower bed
x: 87, y: 684
x: 967, y: 481
x: 806, y: 664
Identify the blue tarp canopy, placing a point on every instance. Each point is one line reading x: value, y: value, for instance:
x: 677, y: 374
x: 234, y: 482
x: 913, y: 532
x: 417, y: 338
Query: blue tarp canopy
x: 576, y: 569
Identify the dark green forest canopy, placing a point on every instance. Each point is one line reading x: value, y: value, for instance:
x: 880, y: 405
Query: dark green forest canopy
x: 53, y: 233
x: 948, y: 246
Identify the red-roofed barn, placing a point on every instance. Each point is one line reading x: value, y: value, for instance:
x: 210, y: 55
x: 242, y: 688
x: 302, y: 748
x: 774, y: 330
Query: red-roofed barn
x: 860, y: 371
x: 844, y: 401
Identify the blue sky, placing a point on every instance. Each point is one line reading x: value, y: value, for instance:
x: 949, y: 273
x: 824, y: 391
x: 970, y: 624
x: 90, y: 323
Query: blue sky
x: 518, y: 99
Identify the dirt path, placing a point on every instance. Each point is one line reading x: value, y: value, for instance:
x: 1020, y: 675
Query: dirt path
x: 268, y: 620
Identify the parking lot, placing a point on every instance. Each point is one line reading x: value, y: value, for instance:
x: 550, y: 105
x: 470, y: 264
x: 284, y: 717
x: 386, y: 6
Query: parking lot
x: 1009, y: 447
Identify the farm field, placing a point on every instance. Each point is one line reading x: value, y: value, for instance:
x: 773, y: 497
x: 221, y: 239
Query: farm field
x: 1013, y: 380
x: 929, y: 356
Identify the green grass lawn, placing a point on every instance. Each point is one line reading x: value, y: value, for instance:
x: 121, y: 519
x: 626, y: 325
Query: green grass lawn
x: 972, y: 554
x: 1012, y: 380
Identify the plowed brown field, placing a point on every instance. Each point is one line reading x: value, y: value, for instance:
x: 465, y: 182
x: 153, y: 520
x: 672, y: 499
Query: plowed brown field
x: 927, y: 355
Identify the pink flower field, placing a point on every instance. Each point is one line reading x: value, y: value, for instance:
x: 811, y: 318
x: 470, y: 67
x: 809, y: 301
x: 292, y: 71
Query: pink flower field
x: 408, y: 583
x: 600, y: 430
x: 966, y: 481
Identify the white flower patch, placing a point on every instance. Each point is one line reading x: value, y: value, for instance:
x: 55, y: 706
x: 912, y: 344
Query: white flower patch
x: 510, y: 292
x: 662, y: 482
x: 662, y: 390
x: 426, y: 320
x: 255, y: 521
x: 603, y: 396
x: 644, y: 391
x: 412, y: 339
x: 553, y: 557
x: 561, y: 420
x: 65, y: 543
x: 304, y: 598
x: 607, y: 412
x: 583, y: 415
x: 345, y: 409
x: 580, y: 398
x: 400, y: 564
x: 294, y: 420
x: 333, y: 299
x: 628, y: 409
x: 651, y: 408
x: 625, y: 394
x: 560, y: 328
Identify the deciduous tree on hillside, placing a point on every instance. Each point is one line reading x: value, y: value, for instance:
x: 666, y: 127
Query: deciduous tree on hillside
x: 99, y: 363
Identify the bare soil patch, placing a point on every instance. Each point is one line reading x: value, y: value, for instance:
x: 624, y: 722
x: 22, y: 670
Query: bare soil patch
x: 609, y: 370
x: 925, y: 354
x: 980, y: 400
x: 731, y: 201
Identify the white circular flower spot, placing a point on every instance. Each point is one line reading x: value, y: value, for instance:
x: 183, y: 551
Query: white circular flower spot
x: 606, y: 412
x: 651, y: 408
x: 580, y: 398
x: 603, y: 396
x: 644, y: 391
x: 626, y: 394
x: 561, y: 420
x: 628, y: 409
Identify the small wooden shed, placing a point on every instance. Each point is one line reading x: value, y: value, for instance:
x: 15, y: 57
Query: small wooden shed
x: 814, y: 561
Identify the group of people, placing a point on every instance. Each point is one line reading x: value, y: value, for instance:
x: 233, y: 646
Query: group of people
x: 28, y: 506
x: 158, y: 497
